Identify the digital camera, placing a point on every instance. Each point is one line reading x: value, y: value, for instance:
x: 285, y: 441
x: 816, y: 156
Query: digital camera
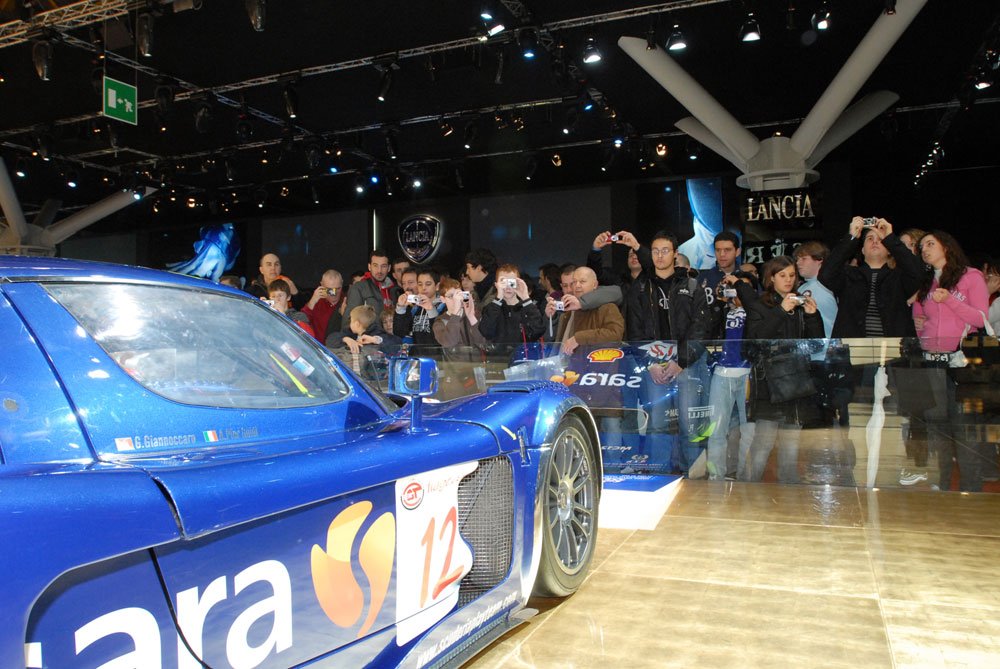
x: 466, y: 295
x: 413, y: 299
x: 560, y: 305
x: 615, y: 238
x: 798, y: 299
x: 869, y: 222
x: 724, y: 291
x: 510, y: 283
x: 331, y: 291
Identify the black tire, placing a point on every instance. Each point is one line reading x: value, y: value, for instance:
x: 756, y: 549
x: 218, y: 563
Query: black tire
x: 569, y: 511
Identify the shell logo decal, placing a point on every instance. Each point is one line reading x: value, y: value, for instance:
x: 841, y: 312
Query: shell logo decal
x: 337, y: 589
x: 605, y: 355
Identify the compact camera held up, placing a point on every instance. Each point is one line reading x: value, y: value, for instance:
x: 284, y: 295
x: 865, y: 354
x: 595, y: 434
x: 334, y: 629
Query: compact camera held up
x: 559, y: 305
x: 413, y: 299
x: 869, y: 222
x: 466, y: 295
x: 510, y: 283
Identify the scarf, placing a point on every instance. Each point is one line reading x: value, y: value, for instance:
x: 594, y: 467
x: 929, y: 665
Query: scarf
x: 383, y: 287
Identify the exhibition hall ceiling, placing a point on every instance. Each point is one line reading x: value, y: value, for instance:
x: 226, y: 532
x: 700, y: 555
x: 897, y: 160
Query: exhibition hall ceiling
x: 221, y: 81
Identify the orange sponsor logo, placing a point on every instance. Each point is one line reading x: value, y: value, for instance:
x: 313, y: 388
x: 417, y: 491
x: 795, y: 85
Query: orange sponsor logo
x: 606, y: 355
x: 567, y: 378
x: 340, y: 595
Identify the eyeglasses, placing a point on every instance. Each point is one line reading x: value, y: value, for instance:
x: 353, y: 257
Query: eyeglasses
x: 661, y: 252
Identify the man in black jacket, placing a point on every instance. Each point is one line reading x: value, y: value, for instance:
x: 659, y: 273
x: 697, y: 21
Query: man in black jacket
x: 668, y: 306
x: 872, y: 296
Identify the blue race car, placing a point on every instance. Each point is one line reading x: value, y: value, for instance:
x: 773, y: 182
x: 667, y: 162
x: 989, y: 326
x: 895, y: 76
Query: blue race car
x: 187, y: 479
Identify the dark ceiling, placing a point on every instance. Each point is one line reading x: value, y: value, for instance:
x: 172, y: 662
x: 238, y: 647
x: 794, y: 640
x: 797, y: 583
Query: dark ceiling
x: 332, y: 54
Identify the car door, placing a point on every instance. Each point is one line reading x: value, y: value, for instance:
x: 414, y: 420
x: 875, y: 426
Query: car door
x: 310, y: 521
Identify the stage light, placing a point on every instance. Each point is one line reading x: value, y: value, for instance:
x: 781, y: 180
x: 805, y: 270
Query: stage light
x: 617, y: 135
x: 445, y: 127
x: 138, y: 192
x: 21, y: 169
x: 591, y: 54
x: 494, y: 28
x: 750, y: 32
x: 41, y: 56
x: 230, y: 170
x: 203, y: 117
x: 651, y: 39
x: 661, y: 150
x: 284, y: 191
x: 161, y: 122
x: 471, y: 130
x: 144, y: 34
x: 44, y: 150
x: 609, y: 159
x: 391, y: 148
x: 569, y: 124
x: 486, y: 14
x: 417, y: 183
x: 890, y: 7
x: 982, y: 80
x: 529, y: 43
x: 530, y: 167
x: 584, y: 100
x: 315, y: 194
x: 291, y: 101
x: 374, y: 178
x: 693, y: 150
x: 556, y: 160
x: 257, y: 12
x: 97, y: 40
x: 676, y: 41
x: 359, y: 186
x: 821, y: 19
x: 385, y: 85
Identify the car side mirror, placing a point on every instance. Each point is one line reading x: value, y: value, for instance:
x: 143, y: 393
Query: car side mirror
x: 414, y: 378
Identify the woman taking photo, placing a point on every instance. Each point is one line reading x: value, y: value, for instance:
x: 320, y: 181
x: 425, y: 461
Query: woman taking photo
x: 952, y: 301
x: 779, y: 317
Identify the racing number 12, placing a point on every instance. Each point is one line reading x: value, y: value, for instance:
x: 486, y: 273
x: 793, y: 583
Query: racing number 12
x: 428, y: 542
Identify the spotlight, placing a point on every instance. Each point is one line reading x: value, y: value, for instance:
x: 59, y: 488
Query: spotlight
x: 982, y: 80
x: 44, y: 147
x: 333, y: 169
x: 291, y: 101
x: 591, y: 54
x: 138, y: 192
x: 97, y: 39
x: 315, y: 194
x: 244, y: 128
x: 313, y: 156
x: 609, y: 159
x: 556, y: 160
x: 676, y: 41
x: 203, y: 117
x: 651, y: 39
x: 257, y: 12
x: 416, y: 184
x: 661, y: 150
x: 890, y: 7
x: 821, y: 19
x: 359, y: 186
x: 230, y: 170
x: 445, y: 127
x: 260, y: 196
x: 750, y: 32
x: 284, y: 191
x: 41, y: 55
x: 530, y: 167
x: 374, y: 177
x: 693, y: 150
x: 585, y: 101
x: 486, y: 14
x: 164, y: 95
x: 617, y: 135
x: 144, y: 34
x: 569, y: 125
x: 391, y: 149
x: 471, y: 130
x: 529, y: 43
x: 385, y: 85
x: 161, y: 122
x: 20, y: 169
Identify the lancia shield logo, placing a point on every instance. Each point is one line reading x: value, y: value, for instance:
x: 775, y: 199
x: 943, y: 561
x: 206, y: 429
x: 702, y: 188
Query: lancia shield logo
x: 420, y: 237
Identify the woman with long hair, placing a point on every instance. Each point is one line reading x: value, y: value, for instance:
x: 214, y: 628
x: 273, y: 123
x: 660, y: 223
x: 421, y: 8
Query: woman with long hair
x: 779, y: 316
x: 952, y: 300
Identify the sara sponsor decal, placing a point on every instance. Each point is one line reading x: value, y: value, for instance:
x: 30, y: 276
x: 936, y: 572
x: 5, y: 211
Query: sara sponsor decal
x: 412, y: 496
x: 570, y: 377
x: 606, y: 355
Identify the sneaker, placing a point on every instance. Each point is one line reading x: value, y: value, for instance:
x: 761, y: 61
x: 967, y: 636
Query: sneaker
x: 911, y: 478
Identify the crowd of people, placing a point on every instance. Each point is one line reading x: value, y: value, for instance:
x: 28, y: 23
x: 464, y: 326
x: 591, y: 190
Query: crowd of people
x: 760, y: 346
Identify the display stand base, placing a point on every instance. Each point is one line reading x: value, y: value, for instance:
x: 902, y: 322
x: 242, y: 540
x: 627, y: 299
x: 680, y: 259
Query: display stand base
x: 636, y: 501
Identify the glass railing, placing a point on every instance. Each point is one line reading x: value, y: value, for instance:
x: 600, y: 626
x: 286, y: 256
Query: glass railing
x: 858, y: 412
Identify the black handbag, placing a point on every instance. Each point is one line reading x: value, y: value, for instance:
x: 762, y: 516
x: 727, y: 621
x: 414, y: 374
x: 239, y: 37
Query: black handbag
x: 788, y: 377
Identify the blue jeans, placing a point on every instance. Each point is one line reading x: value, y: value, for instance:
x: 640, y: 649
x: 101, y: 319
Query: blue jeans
x: 726, y: 392
x: 767, y: 433
x: 687, y: 392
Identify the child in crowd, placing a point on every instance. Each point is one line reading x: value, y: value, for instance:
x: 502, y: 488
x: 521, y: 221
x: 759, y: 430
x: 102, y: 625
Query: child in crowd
x: 280, y: 297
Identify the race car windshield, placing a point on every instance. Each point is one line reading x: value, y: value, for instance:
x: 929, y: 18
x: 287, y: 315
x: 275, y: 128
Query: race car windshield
x: 204, y: 348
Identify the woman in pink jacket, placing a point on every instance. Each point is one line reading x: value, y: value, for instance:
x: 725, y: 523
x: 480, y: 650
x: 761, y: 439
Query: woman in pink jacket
x: 952, y: 301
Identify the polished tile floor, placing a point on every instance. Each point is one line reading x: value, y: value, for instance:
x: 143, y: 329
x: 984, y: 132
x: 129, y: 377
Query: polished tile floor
x: 764, y: 575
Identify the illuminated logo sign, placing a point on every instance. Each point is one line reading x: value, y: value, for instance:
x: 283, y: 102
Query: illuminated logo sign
x: 339, y: 594
x: 412, y: 496
x: 420, y: 237
x: 605, y: 355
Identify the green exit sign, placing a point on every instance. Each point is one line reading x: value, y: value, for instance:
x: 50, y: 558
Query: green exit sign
x: 120, y: 101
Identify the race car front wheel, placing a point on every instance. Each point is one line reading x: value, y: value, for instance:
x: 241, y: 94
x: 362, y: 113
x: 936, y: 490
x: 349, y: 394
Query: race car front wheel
x: 570, y: 504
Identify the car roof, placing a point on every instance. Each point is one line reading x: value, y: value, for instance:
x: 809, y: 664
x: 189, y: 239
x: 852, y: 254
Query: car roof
x: 32, y: 268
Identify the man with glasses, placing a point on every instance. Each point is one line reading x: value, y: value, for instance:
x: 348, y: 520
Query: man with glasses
x: 669, y: 306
